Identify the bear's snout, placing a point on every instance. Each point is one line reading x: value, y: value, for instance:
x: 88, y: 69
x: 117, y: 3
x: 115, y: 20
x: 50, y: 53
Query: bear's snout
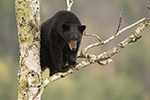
x: 73, y: 45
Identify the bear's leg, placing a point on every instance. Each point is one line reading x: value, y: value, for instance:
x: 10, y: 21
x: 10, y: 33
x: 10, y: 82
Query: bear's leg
x: 51, y: 66
x: 65, y: 57
x: 57, y: 57
x: 72, y: 59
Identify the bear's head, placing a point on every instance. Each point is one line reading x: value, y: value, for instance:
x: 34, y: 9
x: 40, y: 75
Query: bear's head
x: 72, y: 34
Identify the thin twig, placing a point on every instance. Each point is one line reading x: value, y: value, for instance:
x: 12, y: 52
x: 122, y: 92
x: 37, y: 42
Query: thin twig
x: 120, y: 18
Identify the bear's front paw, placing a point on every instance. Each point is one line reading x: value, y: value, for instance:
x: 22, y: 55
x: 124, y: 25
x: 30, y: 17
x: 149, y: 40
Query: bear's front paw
x: 72, y: 65
x: 64, y: 69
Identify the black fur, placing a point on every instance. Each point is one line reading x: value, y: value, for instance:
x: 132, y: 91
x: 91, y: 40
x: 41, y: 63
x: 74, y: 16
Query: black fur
x: 60, y: 40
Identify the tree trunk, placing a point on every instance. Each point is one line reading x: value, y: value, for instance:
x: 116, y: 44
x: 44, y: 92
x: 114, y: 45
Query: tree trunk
x: 29, y: 74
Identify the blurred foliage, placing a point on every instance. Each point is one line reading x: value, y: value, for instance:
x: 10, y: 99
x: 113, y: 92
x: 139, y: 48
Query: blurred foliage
x: 127, y: 78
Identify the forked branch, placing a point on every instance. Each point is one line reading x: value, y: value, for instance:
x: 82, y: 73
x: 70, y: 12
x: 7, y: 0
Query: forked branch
x: 69, y: 4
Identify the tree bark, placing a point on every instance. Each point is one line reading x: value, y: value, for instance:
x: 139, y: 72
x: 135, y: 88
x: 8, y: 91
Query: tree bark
x: 29, y: 74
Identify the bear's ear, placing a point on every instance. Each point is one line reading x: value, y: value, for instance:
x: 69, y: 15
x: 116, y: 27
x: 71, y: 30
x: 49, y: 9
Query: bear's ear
x: 82, y: 28
x: 65, y: 27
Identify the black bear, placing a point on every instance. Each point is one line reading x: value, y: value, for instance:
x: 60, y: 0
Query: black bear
x: 60, y: 40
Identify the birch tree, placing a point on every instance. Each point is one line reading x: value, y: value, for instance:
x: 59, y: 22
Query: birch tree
x: 30, y: 82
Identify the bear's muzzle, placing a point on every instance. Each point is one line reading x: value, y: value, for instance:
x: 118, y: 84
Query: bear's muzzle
x: 73, y: 45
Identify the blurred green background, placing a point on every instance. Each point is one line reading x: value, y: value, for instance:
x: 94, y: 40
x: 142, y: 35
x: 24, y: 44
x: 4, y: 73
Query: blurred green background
x: 127, y: 78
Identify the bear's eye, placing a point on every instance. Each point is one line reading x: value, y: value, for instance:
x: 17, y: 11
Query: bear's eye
x: 65, y: 27
x: 76, y: 38
x: 71, y: 38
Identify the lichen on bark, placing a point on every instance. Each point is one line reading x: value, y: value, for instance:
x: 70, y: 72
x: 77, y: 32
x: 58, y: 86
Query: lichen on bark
x: 23, y: 11
x: 22, y: 86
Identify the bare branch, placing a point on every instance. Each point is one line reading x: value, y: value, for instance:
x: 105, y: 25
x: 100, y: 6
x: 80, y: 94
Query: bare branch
x: 103, y: 58
x: 105, y: 62
x: 112, y: 37
x: 69, y: 4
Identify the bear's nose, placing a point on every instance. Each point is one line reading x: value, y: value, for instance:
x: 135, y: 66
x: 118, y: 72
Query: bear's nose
x: 73, y: 49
